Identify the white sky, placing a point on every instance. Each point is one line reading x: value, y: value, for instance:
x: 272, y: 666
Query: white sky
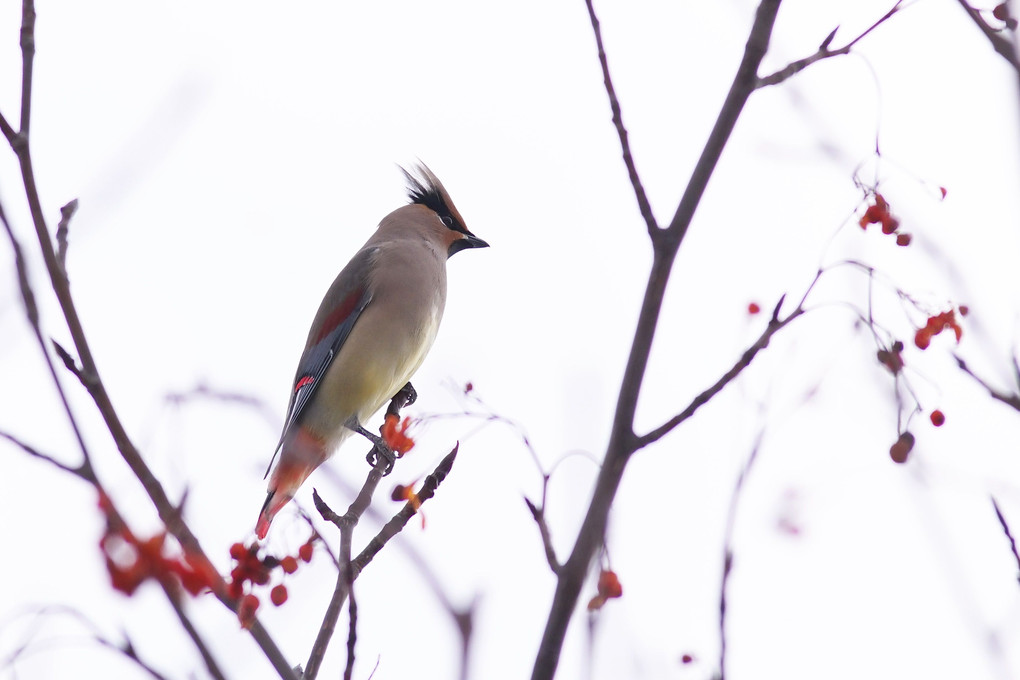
x: 230, y: 158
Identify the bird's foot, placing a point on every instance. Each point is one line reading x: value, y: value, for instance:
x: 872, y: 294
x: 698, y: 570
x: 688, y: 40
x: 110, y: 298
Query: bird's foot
x: 381, y: 451
x: 405, y: 396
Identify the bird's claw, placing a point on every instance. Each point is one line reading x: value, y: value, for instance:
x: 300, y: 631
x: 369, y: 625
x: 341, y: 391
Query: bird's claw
x: 381, y: 452
x: 406, y: 396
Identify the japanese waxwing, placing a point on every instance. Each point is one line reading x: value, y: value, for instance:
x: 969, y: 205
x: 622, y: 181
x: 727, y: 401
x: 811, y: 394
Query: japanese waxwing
x: 373, y: 329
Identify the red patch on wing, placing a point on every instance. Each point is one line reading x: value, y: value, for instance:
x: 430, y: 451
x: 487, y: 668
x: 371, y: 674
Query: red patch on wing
x: 307, y: 380
x: 339, y: 314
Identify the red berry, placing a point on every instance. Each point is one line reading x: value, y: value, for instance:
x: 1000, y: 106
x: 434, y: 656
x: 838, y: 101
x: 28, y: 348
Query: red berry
x: 903, y: 239
x: 289, y: 564
x: 261, y: 576
x: 609, y: 584
x: 278, y: 594
x: 753, y: 308
x: 399, y: 493
x: 900, y: 451
x: 937, y: 418
x: 889, y: 224
x: 964, y: 310
x: 237, y: 551
x: 686, y: 658
x: 922, y: 338
x: 1001, y: 12
x: 305, y: 552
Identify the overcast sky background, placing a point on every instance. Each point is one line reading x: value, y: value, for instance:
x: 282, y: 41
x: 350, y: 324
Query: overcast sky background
x: 229, y: 158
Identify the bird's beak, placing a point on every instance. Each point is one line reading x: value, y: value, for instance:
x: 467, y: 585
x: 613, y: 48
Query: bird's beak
x: 464, y: 242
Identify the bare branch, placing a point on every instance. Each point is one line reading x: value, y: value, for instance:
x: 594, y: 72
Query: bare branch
x: 409, y: 510
x: 125, y: 648
x: 1005, y: 47
x: 9, y: 133
x: 172, y: 594
x: 345, y: 577
x: 66, y: 213
x: 69, y: 363
x: 27, y: 58
x: 543, y: 529
x: 773, y: 327
x: 622, y: 440
x: 79, y: 471
x: 1009, y: 534
x: 731, y: 517
x: 352, y: 616
x: 1012, y: 400
x: 795, y: 67
x: 85, y: 471
x: 89, y: 372
x: 346, y: 524
x: 744, y: 83
x: 614, y: 105
x: 463, y: 617
x: 32, y: 313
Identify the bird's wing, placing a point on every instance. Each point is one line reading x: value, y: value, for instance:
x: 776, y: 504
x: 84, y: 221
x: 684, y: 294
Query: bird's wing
x: 339, y: 311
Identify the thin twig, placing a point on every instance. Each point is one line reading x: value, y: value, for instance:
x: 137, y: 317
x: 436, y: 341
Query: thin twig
x: 9, y: 133
x: 172, y: 591
x: 543, y: 530
x: 27, y: 59
x: 1012, y: 400
x: 404, y: 515
x: 346, y: 525
x: 1009, y: 534
x: 66, y: 213
x: 32, y: 313
x: 125, y: 648
x: 773, y: 327
x: 463, y: 617
x: 35, y: 453
x: 614, y: 105
x: 731, y: 517
x: 795, y: 67
x: 352, y: 616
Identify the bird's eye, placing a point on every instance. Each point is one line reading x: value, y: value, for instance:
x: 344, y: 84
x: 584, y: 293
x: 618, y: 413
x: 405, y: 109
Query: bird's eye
x: 447, y: 220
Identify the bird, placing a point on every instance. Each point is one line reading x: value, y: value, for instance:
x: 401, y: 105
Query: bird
x: 371, y: 333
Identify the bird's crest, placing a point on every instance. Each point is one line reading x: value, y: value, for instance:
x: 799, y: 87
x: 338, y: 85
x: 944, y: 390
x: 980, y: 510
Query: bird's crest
x: 424, y: 188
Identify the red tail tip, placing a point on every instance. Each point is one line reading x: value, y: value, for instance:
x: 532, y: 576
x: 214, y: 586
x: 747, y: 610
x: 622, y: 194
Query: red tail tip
x: 262, y: 528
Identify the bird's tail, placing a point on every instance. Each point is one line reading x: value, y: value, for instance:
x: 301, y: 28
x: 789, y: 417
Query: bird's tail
x: 301, y: 454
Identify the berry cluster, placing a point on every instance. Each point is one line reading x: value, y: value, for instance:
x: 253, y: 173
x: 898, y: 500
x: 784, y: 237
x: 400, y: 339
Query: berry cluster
x: 132, y: 561
x: 250, y: 568
x: 938, y: 323
x: 892, y: 359
x: 879, y: 213
x: 394, y: 433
